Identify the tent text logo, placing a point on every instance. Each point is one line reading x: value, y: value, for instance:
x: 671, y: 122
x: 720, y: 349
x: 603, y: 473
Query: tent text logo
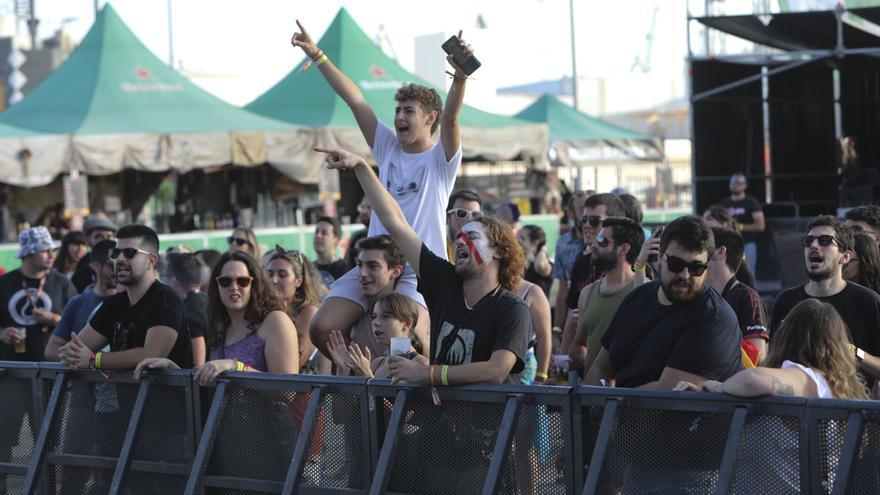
x: 148, y: 87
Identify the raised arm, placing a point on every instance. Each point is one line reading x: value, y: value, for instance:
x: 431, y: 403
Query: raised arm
x: 341, y: 84
x: 385, y: 207
x: 450, y: 135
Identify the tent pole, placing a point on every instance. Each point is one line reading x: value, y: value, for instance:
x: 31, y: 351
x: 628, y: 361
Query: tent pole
x: 574, y: 72
x: 170, y: 37
x: 765, y: 114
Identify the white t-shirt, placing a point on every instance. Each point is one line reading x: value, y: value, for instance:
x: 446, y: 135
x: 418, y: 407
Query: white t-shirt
x: 822, y: 387
x: 420, y: 183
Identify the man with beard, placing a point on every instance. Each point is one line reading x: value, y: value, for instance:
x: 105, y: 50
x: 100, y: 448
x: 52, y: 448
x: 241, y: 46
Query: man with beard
x: 146, y: 320
x: 81, y: 308
x: 478, y: 327
x: 674, y: 327
x: 614, y: 252
x: 828, y: 246
x: 597, y: 207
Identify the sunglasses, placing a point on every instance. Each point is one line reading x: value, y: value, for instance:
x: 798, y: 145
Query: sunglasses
x: 128, y: 252
x: 602, y: 241
x: 824, y: 240
x: 242, y: 282
x: 593, y: 220
x: 464, y: 213
x: 677, y: 265
x: 239, y: 241
x: 737, y: 182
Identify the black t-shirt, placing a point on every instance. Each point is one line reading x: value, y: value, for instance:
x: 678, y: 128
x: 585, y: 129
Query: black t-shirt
x: 83, y: 276
x: 583, y: 273
x: 741, y: 210
x: 748, y: 307
x: 700, y: 337
x: 460, y: 335
x: 534, y: 277
x: 195, y: 313
x: 858, y: 306
x: 331, y: 271
x: 126, y: 325
x: 17, y: 309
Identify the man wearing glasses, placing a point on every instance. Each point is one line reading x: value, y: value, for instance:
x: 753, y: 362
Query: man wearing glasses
x: 828, y: 246
x: 146, y: 320
x: 865, y: 219
x: 674, y: 328
x: 748, y: 214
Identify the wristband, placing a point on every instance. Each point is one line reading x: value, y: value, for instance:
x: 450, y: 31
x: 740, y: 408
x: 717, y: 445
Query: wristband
x: 639, y: 267
x: 318, y: 55
x: 541, y: 375
x: 98, y: 360
x: 239, y: 366
x: 321, y: 60
x: 740, y: 227
x: 444, y: 376
x: 431, y: 374
x: 557, y: 329
x: 92, y: 359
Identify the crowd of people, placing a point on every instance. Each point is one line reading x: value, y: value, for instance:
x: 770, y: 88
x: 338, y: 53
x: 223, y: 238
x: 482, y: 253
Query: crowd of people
x: 468, y: 293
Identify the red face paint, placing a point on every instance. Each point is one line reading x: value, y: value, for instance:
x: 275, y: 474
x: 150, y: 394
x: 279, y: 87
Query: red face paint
x: 471, y: 247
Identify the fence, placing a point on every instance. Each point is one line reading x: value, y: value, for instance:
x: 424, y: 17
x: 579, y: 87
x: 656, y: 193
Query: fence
x: 76, y: 431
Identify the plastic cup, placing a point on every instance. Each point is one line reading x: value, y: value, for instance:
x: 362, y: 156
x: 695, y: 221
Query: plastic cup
x: 399, y: 346
x: 20, y: 345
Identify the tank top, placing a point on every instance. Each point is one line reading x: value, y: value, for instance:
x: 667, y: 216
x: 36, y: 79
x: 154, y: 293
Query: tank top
x: 822, y: 388
x: 250, y: 350
x: 597, y: 316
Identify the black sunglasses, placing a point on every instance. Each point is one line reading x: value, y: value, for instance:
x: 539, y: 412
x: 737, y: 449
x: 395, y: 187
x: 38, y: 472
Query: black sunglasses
x: 593, y: 220
x: 602, y: 241
x: 677, y: 265
x: 128, y: 252
x: 238, y: 240
x: 824, y: 240
x: 242, y: 282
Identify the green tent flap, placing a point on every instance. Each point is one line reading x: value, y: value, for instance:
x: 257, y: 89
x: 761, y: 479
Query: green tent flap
x: 113, y: 84
x: 568, y: 124
x: 304, y: 97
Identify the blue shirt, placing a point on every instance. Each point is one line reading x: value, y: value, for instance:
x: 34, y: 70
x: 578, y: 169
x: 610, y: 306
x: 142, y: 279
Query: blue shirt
x: 77, y: 313
x: 567, y: 251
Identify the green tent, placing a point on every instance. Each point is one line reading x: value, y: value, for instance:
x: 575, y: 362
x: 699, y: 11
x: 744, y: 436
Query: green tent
x: 572, y: 131
x: 304, y: 97
x: 124, y: 108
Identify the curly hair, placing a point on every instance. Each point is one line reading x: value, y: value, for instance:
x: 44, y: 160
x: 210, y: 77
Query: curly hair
x: 512, y: 261
x: 868, y: 257
x: 814, y: 335
x: 427, y: 97
x: 261, y: 302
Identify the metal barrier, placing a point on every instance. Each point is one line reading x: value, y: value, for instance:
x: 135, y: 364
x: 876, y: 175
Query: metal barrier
x: 74, y: 431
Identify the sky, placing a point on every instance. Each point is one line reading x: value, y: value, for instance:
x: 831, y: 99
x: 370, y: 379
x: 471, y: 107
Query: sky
x: 238, y: 49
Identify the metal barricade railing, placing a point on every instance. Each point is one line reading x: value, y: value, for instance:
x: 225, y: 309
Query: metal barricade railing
x: 76, y: 431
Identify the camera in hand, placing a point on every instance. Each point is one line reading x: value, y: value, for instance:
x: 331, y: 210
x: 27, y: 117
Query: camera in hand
x: 468, y: 63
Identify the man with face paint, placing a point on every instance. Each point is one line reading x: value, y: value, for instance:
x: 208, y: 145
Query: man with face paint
x: 828, y: 246
x: 479, y: 329
x: 145, y: 320
x: 614, y: 251
x: 675, y: 327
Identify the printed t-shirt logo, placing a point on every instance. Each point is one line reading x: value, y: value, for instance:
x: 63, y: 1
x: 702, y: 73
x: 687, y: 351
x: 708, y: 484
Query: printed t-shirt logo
x: 21, y: 306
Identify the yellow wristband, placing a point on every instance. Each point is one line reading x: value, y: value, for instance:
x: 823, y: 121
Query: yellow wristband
x: 321, y: 59
x: 444, y: 375
x: 542, y: 376
x: 638, y: 267
x: 239, y: 366
x: 98, y: 360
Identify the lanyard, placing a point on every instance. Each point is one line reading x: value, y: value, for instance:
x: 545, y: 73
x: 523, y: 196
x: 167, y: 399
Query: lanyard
x: 37, y: 294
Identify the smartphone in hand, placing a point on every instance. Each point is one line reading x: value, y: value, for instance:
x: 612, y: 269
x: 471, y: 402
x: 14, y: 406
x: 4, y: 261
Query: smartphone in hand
x: 468, y: 63
x: 658, y: 232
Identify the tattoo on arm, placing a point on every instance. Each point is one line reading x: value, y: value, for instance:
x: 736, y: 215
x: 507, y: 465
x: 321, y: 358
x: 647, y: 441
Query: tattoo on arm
x: 780, y: 388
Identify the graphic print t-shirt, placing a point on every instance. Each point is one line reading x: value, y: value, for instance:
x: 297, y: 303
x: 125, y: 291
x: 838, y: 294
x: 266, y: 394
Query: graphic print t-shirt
x: 18, y: 309
x: 420, y: 183
x: 460, y: 335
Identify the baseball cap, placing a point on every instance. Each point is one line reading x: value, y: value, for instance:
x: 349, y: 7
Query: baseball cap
x: 34, y: 240
x: 101, y: 250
